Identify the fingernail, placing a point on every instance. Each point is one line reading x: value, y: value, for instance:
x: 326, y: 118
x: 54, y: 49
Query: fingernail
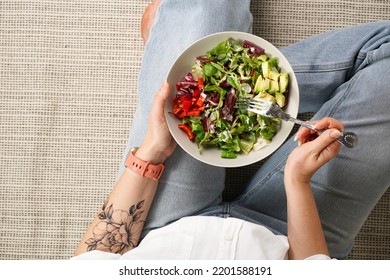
x: 295, y: 137
x: 299, y: 143
x: 335, y: 134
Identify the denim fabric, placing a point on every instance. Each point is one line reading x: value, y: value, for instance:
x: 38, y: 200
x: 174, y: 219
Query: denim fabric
x: 343, y: 74
x: 187, y: 185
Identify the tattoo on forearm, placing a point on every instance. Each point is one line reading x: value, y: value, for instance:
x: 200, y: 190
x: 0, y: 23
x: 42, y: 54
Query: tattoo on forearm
x: 118, y: 231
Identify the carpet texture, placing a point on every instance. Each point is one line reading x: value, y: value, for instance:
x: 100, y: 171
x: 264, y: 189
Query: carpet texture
x: 68, y: 82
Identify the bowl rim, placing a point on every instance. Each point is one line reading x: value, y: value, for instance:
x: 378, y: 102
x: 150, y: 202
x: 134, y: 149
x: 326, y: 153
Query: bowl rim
x: 212, y: 156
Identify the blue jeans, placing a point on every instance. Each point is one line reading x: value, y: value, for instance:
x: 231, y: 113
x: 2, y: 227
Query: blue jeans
x: 343, y: 74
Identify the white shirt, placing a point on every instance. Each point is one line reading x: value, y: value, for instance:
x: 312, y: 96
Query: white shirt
x: 202, y: 237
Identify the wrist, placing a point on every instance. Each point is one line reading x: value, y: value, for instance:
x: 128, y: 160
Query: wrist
x: 145, y: 168
x: 293, y: 183
x: 150, y: 154
x: 296, y: 173
x: 296, y: 180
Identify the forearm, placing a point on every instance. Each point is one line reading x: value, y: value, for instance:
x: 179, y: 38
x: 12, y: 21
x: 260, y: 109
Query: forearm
x: 117, y: 227
x: 304, y: 229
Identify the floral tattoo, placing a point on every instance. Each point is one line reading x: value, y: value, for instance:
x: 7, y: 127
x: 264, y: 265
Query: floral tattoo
x: 118, y: 231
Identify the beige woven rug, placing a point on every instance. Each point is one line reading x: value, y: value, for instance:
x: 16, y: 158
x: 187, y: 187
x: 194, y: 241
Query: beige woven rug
x: 68, y: 81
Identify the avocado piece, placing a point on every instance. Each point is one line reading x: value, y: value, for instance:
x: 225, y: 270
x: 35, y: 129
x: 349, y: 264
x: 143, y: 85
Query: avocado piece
x: 280, y: 99
x: 274, y: 86
x: 273, y: 75
x: 266, y: 84
x: 265, y: 69
x: 262, y: 85
x: 259, y: 84
x: 283, y: 82
x: 266, y: 96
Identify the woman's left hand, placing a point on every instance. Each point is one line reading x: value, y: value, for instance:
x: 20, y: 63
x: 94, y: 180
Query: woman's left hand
x: 158, y: 143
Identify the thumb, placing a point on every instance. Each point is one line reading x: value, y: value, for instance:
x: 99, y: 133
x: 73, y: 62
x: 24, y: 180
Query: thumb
x: 160, y: 98
x: 326, y: 138
x: 164, y: 91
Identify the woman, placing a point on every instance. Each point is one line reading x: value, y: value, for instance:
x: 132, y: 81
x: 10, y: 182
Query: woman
x: 298, y: 205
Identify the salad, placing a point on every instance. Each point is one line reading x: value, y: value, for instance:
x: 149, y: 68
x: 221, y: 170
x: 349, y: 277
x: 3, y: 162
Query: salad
x: 206, y: 97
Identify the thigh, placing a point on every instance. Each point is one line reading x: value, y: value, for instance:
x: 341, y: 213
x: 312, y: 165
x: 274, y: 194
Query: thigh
x: 348, y: 187
x: 187, y: 185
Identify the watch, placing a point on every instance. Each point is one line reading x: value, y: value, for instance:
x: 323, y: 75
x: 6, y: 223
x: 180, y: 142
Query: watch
x: 141, y: 167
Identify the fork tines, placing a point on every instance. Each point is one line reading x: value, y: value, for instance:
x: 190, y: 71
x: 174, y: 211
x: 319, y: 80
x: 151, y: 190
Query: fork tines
x: 252, y: 103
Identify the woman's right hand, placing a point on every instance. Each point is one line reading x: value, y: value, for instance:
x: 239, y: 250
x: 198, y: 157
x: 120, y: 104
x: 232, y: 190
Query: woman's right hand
x: 313, y: 150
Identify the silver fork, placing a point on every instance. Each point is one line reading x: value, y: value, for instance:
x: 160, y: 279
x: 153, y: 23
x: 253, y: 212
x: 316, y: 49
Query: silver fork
x: 272, y: 110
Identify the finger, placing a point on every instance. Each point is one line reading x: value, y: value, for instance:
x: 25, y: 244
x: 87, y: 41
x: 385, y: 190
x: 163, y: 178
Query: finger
x: 325, y: 139
x: 164, y: 92
x: 305, y: 134
x: 329, y: 122
x: 160, y: 99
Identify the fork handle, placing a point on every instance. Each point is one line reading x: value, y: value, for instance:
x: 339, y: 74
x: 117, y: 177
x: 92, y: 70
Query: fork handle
x: 348, y: 139
x: 303, y: 123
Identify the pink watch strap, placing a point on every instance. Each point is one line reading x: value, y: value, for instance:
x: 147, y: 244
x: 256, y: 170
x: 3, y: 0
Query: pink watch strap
x: 143, y: 168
